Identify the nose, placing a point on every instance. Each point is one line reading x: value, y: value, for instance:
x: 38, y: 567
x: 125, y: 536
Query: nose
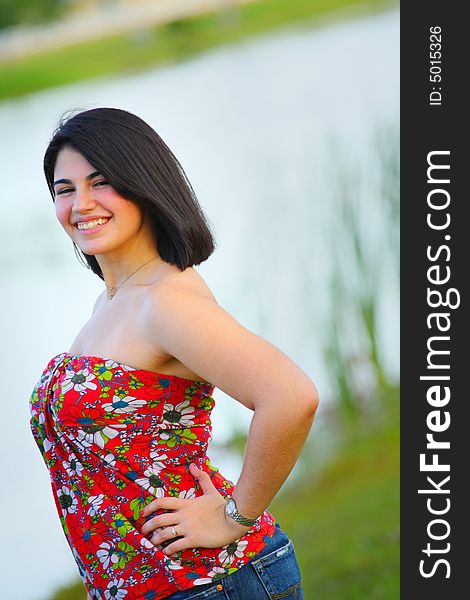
x: 84, y: 200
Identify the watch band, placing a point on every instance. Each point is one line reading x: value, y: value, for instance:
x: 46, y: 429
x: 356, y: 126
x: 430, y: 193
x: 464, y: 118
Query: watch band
x: 232, y: 512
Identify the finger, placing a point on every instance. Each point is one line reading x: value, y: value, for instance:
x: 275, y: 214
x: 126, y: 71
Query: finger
x: 150, y: 508
x: 176, y: 546
x: 167, y: 503
x: 157, y: 522
x: 159, y: 536
x: 203, y: 479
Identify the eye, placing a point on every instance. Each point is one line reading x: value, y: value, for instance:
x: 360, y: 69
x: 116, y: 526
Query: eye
x: 63, y: 191
x: 101, y: 182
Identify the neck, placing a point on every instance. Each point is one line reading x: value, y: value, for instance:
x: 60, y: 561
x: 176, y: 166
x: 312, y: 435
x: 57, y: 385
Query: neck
x: 130, y: 261
x: 113, y: 290
x: 117, y: 266
x: 115, y: 274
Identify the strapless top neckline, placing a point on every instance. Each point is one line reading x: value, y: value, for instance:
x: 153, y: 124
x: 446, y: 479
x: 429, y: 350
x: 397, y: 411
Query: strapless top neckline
x: 94, y: 358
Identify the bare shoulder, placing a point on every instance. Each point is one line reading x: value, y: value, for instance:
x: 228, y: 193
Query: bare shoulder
x: 194, y: 280
x: 174, y: 297
x: 190, y: 325
x: 177, y: 287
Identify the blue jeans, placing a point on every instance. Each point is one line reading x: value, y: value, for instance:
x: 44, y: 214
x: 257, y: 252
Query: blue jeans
x: 271, y: 575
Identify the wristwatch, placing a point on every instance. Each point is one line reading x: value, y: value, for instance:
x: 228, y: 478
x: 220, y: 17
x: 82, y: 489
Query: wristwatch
x: 232, y: 512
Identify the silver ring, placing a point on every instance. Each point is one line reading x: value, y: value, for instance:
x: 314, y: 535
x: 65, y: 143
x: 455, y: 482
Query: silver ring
x: 173, y: 531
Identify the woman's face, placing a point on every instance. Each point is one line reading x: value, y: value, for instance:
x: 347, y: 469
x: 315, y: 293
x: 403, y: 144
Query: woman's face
x: 92, y: 213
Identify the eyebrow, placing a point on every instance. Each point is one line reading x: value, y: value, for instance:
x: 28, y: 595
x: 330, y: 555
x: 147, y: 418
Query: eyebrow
x: 69, y: 181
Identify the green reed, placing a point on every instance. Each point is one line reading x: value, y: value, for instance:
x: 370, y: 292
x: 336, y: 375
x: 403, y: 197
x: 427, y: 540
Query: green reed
x: 364, y: 255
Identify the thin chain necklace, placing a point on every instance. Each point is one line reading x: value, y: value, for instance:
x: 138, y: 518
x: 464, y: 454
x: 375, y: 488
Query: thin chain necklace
x: 112, y: 291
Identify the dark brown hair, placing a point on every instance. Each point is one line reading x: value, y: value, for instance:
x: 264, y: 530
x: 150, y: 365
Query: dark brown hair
x: 138, y: 164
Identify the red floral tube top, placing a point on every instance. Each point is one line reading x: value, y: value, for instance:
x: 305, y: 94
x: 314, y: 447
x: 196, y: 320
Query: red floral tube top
x: 114, y: 438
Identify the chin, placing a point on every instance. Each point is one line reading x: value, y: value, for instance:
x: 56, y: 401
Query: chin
x: 90, y: 249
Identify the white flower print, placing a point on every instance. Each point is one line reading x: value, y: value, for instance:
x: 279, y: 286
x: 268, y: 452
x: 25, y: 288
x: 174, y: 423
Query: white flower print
x: 146, y: 543
x: 127, y: 404
x: 110, y: 459
x: 112, y: 365
x: 73, y: 466
x: 172, y: 564
x: 106, y: 554
x: 118, y: 368
x: 80, y: 381
x: 81, y: 567
x: 67, y: 500
x: 95, y: 502
x: 191, y: 493
x: 182, y: 414
x: 232, y: 551
x: 42, y: 427
x: 114, y: 591
x: 152, y: 482
x: 209, y: 577
x: 159, y: 464
x: 157, y: 457
x: 98, y: 434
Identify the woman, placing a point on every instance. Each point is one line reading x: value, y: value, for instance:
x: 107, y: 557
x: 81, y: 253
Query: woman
x: 144, y: 511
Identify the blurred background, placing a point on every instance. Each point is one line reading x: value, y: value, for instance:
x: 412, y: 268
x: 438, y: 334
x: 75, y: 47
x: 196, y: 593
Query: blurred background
x: 285, y: 117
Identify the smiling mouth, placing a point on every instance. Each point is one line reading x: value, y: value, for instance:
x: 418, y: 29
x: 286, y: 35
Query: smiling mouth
x: 83, y: 225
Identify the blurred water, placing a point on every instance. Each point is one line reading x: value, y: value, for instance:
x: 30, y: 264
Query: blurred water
x: 257, y: 127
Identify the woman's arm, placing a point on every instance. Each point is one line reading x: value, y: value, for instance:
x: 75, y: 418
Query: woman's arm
x: 199, y: 333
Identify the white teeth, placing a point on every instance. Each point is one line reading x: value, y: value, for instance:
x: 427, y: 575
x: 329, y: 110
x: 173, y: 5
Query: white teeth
x: 91, y: 224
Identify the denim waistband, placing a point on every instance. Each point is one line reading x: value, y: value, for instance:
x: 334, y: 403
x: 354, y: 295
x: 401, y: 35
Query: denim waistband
x: 278, y: 539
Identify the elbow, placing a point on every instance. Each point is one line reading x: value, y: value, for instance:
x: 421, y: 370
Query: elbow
x: 297, y: 405
x: 309, y: 403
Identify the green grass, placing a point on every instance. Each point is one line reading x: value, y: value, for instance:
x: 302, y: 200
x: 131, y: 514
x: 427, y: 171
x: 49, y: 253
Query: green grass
x: 75, y: 591
x: 161, y: 45
x: 345, y: 524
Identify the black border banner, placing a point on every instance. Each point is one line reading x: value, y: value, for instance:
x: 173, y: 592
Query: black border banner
x: 435, y: 424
